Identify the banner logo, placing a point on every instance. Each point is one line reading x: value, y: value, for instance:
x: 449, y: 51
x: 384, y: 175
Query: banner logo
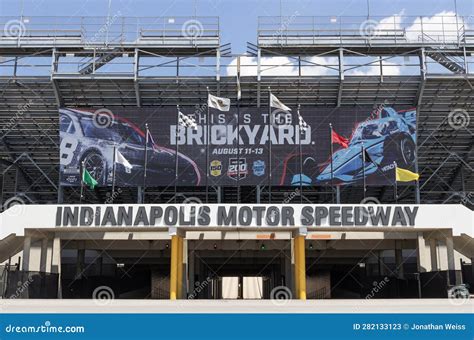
x: 258, y: 168
x: 237, y: 168
x: 216, y: 168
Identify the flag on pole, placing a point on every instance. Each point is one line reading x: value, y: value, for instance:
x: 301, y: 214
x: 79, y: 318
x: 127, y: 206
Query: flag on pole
x: 403, y: 175
x: 276, y: 103
x: 219, y: 103
x: 301, y: 122
x: 338, y: 139
x: 120, y: 159
x: 88, y: 179
x: 186, y: 121
x: 239, y: 90
x: 368, y: 158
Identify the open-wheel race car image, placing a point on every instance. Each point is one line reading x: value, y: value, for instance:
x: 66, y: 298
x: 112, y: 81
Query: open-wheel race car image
x: 85, y: 141
x: 388, y: 139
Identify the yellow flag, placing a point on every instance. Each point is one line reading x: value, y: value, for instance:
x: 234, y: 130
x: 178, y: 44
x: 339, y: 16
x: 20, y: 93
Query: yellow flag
x: 404, y: 175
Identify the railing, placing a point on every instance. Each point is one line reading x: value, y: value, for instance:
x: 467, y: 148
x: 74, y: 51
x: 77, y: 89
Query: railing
x: 114, y: 29
x: 446, y: 29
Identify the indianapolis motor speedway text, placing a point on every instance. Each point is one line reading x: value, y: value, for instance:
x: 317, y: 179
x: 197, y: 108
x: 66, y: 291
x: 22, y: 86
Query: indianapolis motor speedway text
x: 232, y: 215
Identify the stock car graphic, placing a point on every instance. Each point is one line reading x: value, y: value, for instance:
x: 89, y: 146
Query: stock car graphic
x: 388, y: 139
x: 84, y: 140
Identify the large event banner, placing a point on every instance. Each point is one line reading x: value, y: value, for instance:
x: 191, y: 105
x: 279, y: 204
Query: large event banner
x: 239, y: 149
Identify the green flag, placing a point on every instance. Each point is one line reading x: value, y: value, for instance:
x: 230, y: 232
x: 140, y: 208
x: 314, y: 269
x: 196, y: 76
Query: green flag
x: 88, y: 179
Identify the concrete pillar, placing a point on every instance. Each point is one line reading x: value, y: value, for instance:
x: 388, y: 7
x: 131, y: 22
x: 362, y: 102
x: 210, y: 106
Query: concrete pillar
x: 433, y: 253
x: 442, y: 255
x: 45, y: 257
x: 453, y: 265
x: 423, y: 254
x: 399, y: 259
x: 26, y: 253
x: 56, y: 262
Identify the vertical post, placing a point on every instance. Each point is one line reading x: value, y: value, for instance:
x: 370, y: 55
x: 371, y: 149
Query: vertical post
x: 300, y: 267
x: 238, y: 133
x: 26, y: 253
x: 60, y: 194
x: 180, y: 268
x: 332, y: 165
x: 269, y: 148
x: 56, y: 262
x: 44, y: 255
x: 207, y: 146
x: 301, y: 155
x: 113, y: 171
x: 176, y: 156
x: 363, y: 167
x: 174, y: 267
x: 395, y: 182
x: 145, y: 161
x: 83, y: 167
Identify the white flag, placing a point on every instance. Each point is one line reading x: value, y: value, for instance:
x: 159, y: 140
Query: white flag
x: 222, y: 104
x: 276, y: 103
x: 120, y: 159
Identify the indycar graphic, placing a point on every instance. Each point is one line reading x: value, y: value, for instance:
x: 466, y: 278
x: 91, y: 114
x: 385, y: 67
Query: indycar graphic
x: 387, y: 139
x: 83, y: 141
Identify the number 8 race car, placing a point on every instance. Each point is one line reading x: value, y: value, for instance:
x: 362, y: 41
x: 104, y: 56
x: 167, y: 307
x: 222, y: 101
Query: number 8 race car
x: 84, y: 140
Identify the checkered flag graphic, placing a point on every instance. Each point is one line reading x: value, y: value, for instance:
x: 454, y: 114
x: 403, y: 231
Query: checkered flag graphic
x: 303, y: 125
x: 186, y: 121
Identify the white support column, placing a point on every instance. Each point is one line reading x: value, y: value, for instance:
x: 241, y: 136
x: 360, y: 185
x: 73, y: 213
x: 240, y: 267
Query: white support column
x: 434, y: 253
x: 56, y: 262
x: 423, y: 254
x: 452, y: 263
x: 45, y: 265
x: 26, y: 253
x: 442, y: 253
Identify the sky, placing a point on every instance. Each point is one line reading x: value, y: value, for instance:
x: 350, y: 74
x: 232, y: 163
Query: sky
x: 238, y: 18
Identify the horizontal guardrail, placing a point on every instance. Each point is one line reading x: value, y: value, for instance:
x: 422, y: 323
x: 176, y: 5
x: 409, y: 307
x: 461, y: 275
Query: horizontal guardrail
x: 442, y: 29
x: 104, y: 30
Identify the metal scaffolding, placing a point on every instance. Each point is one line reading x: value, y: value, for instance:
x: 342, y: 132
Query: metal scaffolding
x: 50, y: 62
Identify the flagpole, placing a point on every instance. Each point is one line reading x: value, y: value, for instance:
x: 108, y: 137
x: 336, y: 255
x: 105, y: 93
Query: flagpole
x: 396, y: 184
x: 176, y: 157
x: 301, y: 156
x: 145, y: 161
x: 82, y: 182
x: 332, y: 166
x: 238, y: 150
x: 207, y: 147
x: 269, y: 148
x: 113, y: 173
x: 363, y: 166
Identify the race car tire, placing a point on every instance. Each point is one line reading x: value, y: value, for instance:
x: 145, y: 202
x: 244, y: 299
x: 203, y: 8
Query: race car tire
x: 406, y: 152
x: 96, y: 165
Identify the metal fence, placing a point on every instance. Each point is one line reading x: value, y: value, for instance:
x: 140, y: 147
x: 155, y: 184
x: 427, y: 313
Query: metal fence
x: 113, y: 29
x: 442, y: 29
